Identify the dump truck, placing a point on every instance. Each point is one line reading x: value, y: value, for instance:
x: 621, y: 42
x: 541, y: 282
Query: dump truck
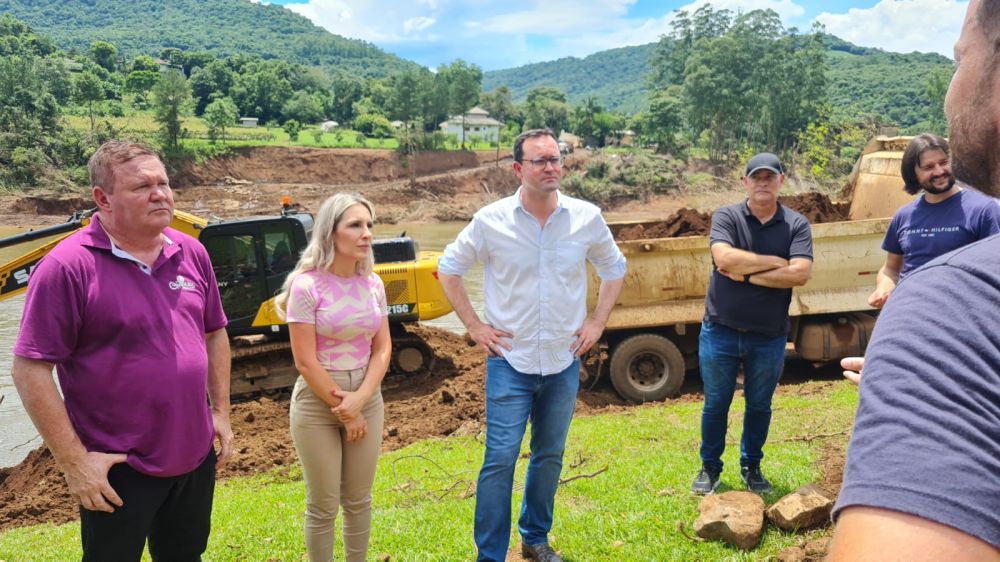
x: 652, y: 334
x: 251, y: 258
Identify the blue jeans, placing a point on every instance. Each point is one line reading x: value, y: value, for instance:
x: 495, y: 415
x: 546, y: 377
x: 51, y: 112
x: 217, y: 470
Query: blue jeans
x: 721, y: 351
x: 512, y: 398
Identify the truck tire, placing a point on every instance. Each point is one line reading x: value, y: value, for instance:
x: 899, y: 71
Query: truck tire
x: 646, y: 368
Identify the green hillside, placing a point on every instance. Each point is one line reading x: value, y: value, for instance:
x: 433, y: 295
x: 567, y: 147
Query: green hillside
x: 615, y: 78
x: 221, y: 27
x: 861, y: 80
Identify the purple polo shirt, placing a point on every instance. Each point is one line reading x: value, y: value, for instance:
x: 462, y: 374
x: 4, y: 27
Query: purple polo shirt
x: 129, y: 347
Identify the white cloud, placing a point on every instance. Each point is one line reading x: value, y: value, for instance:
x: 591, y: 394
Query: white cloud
x: 501, y: 34
x: 377, y: 22
x: 787, y: 9
x: 901, y: 25
x: 417, y: 24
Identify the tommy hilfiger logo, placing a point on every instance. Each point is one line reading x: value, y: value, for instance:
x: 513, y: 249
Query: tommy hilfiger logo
x: 182, y: 283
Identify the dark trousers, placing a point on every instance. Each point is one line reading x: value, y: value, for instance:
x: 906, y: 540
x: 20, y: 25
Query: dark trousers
x: 173, y: 513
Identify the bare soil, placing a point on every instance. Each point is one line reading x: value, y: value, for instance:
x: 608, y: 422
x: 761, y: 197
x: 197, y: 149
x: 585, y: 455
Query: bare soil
x: 443, y: 187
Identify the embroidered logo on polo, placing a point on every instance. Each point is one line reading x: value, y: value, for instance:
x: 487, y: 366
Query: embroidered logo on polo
x: 181, y: 283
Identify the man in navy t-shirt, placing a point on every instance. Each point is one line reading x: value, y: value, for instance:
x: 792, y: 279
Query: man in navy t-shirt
x: 945, y: 218
x: 922, y: 480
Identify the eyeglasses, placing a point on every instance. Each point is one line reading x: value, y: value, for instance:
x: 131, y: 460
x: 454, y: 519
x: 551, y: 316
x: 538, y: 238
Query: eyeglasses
x: 541, y: 163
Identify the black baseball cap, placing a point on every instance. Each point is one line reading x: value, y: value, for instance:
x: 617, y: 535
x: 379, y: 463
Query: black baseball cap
x: 764, y: 161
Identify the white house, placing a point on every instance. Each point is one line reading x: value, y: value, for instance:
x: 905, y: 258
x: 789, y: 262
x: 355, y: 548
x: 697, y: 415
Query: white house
x: 477, y: 122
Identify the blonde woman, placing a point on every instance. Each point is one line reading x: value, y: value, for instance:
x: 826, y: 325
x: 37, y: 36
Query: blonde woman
x: 337, y: 319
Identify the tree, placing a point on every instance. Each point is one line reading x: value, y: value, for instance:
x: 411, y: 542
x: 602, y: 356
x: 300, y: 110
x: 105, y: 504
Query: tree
x: 664, y: 121
x: 546, y: 107
x: 346, y: 91
x: 293, y: 128
x: 144, y: 62
x: 372, y: 125
x: 747, y: 82
x: 196, y: 59
x: 219, y: 114
x: 214, y: 78
x: 141, y: 81
x: 607, y: 125
x: 171, y: 101
x: 935, y: 88
x: 404, y: 100
x: 104, y: 54
x: 464, y: 84
x: 87, y: 90
x: 303, y: 107
x: 673, y: 50
x: 262, y: 93
x: 173, y: 56
x: 498, y: 103
x: 582, y: 122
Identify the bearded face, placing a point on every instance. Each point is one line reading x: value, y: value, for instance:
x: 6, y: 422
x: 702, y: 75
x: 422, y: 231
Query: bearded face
x: 973, y: 108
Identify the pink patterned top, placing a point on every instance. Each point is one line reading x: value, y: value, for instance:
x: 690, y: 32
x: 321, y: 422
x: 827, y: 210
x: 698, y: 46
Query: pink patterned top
x: 347, y: 312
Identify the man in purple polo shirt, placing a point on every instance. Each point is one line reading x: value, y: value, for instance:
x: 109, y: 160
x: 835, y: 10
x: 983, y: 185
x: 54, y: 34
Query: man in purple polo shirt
x: 128, y: 311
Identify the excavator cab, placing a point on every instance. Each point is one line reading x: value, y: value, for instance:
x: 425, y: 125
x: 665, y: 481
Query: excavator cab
x: 251, y: 258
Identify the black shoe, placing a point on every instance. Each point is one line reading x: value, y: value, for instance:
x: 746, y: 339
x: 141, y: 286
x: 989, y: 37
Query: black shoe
x: 755, y: 480
x: 706, y: 482
x: 541, y: 552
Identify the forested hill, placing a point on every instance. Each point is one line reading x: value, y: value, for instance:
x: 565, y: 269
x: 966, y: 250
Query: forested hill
x: 861, y: 80
x: 221, y: 27
x: 616, y: 78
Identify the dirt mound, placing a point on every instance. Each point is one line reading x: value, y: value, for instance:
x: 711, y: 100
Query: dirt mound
x: 298, y: 164
x: 432, y: 404
x: 816, y: 207
x: 685, y: 222
x: 34, y: 492
x: 58, y: 205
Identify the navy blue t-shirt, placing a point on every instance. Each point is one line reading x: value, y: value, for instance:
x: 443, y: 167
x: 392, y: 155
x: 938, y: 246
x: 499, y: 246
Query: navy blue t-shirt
x: 921, y: 231
x: 926, y: 438
x: 745, y: 306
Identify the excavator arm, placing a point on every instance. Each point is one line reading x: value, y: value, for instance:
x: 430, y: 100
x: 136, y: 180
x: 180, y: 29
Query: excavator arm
x: 14, y: 274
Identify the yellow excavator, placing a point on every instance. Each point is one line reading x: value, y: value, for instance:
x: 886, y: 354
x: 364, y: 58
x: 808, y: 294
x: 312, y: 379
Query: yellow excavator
x: 251, y: 258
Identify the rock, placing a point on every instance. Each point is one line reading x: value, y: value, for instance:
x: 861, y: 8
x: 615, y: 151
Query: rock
x: 734, y: 517
x: 469, y: 427
x: 804, y: 508
x: 817, y: 549
x: 447, y: 397
x: 249, y: 418
x: 393, y: 431
x: 792, y: 554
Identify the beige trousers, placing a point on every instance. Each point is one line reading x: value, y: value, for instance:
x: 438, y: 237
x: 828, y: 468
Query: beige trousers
x: 336, y: 473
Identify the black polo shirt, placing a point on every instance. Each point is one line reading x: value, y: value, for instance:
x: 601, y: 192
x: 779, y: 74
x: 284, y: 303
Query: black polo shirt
x: 745, y: 306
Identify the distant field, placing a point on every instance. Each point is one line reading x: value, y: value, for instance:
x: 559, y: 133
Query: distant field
x: 142, y: 125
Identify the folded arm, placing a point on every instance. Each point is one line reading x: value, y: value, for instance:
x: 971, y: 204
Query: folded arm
x: 795, y: 274
x: 734, y: 261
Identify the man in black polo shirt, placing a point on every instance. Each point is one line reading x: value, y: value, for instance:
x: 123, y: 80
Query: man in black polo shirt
x: 761, y: 250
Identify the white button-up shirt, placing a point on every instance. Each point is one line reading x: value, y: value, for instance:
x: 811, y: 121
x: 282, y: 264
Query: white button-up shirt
x: 535, y: 278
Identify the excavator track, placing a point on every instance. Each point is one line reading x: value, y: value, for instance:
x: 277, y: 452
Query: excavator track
x: 268, y: 368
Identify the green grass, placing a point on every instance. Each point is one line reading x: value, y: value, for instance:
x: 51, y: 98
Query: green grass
x: 424, y: 508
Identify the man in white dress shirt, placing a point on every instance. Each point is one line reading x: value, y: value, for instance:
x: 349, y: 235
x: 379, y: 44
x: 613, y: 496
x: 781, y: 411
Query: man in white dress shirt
x: 534, y: 246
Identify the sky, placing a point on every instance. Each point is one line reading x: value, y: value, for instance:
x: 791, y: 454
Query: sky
x: 497, y: 34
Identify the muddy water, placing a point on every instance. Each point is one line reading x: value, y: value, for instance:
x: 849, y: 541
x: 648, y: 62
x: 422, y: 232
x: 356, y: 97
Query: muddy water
x: 18, y: 436
x: 436, y: 237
